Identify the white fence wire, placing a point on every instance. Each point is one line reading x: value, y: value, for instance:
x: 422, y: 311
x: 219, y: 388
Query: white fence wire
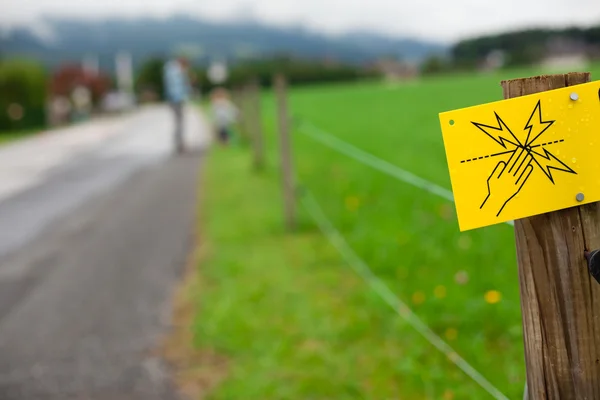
x: 362, y: 269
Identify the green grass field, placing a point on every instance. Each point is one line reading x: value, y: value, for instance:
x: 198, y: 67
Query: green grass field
x: 294, y: 319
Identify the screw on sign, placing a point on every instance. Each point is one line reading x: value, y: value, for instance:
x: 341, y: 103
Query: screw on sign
x: 532, y: 158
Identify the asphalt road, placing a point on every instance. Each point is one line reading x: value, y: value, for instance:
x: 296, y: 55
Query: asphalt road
x: 94, y: 234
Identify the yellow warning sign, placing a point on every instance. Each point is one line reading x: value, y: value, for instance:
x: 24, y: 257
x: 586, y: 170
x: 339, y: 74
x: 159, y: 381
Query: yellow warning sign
x: 525, y: 156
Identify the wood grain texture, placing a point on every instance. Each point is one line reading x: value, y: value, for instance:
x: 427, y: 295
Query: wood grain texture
x: 560, y: 301
x: 285, y: 148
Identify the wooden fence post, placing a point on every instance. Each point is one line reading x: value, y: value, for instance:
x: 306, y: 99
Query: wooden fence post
x: 287, y: 174
x: 240, y: 100
x: 560, y: 301
x: 256, y: 133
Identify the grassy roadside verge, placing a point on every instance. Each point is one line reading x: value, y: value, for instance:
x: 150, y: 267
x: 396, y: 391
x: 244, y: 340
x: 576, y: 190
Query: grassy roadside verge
x: 12, y: 136
x: 280, y: 316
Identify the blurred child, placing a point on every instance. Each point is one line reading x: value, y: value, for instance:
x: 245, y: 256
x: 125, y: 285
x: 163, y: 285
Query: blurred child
x: 224, y: 114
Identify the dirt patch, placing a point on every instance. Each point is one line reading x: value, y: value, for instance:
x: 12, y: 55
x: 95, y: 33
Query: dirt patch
x: 196, y: 371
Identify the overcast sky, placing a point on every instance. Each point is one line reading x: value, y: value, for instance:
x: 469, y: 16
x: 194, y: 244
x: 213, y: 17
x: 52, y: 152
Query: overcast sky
x: 441, y: 20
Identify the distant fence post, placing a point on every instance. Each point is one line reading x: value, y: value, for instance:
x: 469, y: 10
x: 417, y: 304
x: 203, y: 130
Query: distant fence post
x: 287, y: 174
x: 256, y: 132
x: 240, y: 98
x: 560, y: 301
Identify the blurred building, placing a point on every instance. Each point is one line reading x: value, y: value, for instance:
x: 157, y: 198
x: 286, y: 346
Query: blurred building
x: 566, y: 53
x: 394, y: 70
x: 124, y: 71
x: 75, y: 92
x: 494, y: 60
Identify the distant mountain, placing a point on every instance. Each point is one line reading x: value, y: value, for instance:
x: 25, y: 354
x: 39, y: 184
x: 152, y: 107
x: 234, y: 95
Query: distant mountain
x: 201, y: 40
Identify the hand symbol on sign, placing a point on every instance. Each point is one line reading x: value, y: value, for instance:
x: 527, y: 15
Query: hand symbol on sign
x: 505, y: 183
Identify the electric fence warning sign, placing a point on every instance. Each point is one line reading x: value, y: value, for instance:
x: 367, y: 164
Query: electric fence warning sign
x: 524, y: 156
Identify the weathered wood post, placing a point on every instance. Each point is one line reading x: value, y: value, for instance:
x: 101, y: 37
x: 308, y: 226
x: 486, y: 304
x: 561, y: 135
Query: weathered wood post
x: 256, y: 132
x: 287, y: 174
x: 560, y: 301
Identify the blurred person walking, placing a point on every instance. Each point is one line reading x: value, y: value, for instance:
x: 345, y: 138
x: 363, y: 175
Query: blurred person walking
x: 224, y: 114
x: 177, y: 90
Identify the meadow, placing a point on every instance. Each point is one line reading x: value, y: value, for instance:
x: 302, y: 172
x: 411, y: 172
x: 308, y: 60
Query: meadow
x: 293, y: 320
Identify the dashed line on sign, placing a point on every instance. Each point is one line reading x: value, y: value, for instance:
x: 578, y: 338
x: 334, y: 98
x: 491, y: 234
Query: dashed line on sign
x: 506, y: 152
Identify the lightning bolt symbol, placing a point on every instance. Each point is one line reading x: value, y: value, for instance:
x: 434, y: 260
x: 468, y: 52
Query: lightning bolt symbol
x: 553, y: 163
x: 540, y: 125
x: 501, y: 140
x: 535, y: 127
x: 523, y: 153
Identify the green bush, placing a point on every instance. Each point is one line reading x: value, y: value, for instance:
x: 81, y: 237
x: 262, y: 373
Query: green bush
x: 434, y: 65
x: 522, y: 47
x: 23, y: 86
x: 150, y: 77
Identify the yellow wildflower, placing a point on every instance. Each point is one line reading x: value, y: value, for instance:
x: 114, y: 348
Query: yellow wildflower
x: 352, y: 203
x: 439, y: 291
x: 493, y: 296
x: 418, y: 298
x: 451, y: 334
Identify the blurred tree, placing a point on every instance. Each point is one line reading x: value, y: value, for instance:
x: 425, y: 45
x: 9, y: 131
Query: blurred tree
x: 592, y: 35
x: 434, y: 65
x: 150, y: 78
x: 297, y: 71
x: 523, y: 47
x: 23, y: 85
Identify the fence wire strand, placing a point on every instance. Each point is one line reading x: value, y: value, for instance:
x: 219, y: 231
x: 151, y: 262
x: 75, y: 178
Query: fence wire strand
x: 362, y: 269
x: 372, y: 161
